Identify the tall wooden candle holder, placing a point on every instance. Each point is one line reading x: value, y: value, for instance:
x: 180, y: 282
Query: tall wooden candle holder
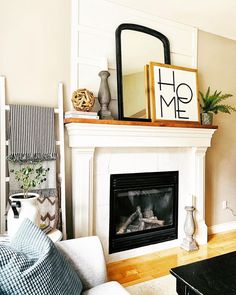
x: 104, y: 96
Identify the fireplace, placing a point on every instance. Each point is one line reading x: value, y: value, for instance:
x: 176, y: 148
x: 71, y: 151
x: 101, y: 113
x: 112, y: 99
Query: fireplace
x: 102, y: 150
x: 143, y: 209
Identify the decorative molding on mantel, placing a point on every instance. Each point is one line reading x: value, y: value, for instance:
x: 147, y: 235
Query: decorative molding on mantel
x: 107, y: 135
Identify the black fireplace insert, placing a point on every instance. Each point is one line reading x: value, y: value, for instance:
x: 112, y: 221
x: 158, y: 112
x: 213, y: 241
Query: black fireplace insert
x: 143, y: 209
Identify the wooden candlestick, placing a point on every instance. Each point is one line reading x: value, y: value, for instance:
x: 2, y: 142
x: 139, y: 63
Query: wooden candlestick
x: 104, y: 96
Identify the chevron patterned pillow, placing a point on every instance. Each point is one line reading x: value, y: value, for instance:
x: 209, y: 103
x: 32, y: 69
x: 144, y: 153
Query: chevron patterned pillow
x: 32, y: 265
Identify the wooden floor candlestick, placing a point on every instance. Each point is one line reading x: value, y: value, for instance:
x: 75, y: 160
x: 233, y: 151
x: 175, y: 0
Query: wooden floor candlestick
x: 189, y: 243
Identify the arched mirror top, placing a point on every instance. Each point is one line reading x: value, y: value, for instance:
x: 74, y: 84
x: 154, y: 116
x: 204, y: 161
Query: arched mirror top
x: 136, y: 46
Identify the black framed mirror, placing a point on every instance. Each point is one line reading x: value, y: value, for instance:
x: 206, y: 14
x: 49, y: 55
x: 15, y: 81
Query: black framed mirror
x: 136, y: 46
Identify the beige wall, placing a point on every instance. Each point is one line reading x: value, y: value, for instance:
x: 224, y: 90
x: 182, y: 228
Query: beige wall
x: 35, y: 52
x: 34, y: 49
x: 217, y: 68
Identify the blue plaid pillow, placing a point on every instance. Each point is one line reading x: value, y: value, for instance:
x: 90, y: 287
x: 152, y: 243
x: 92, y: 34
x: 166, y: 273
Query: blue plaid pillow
x: 32, y: 265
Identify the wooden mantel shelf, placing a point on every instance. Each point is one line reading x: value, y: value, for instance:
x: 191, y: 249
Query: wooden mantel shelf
x: 139, y: 123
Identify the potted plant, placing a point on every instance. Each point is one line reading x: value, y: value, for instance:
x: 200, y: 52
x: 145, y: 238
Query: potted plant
x: 24, y: 205
x: 29, y: 177
x: 212, y: 104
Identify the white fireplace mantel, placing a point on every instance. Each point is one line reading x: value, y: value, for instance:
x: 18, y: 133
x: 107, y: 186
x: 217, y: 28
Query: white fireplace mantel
x: 86, y: 139
x: 106, y: 135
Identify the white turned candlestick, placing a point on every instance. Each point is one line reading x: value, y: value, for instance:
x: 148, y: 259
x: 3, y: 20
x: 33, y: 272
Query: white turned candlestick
x: 189, y: 243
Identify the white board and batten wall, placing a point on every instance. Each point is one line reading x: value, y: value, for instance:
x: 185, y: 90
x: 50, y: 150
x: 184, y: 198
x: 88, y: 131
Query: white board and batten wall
x: 93, y: 37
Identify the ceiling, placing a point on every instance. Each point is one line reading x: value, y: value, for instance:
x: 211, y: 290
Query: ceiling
x: 213, y: 16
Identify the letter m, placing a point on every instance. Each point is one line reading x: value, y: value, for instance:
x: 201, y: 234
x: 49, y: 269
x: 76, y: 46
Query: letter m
x: 164, y: 102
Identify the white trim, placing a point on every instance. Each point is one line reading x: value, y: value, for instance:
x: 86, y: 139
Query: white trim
x: 84, y: 32
x: 82, y: 191
x: 85, y: 139
x: 3, y: 154
x: 7, y: 179
x: 198, y: 190
x: 74, y: 44
x: 95, y: 62
x: 108, y: 135
x: 57, y: 142
x: 109, y: 34
x: 148, y: 16
x: 91, y: 30
x: 62, y: 158
x: 4, y: 143
x: 7, y: 108
x: 222, y: 227
x: 195, y: 48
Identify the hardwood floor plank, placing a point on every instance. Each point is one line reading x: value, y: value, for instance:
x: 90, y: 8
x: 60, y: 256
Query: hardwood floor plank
x: 147, y: 267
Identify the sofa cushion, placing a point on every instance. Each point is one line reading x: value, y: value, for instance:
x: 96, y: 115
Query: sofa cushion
x: 111, y: 288
x: 32, y: 265
x: 86, y: 256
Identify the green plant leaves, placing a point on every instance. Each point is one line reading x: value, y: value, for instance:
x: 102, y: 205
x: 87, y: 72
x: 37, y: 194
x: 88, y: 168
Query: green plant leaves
x: 211, y: 103
x: 30, y: 176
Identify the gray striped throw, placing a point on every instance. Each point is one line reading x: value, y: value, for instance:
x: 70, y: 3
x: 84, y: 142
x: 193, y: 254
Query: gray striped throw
x: 32, y: 135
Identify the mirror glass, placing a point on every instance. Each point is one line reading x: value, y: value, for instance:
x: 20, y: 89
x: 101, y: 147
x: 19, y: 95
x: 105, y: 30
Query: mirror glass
x: 136, y: 47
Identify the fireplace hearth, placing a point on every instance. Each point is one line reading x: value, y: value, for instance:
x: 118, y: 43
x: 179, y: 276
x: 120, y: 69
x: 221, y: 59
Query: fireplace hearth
x: 143, y: 209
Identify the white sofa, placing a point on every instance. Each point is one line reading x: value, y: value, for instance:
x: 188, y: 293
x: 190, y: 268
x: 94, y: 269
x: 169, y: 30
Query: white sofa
x: 86, y: 255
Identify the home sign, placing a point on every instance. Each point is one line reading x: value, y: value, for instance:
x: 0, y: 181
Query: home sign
x: 174, y: 93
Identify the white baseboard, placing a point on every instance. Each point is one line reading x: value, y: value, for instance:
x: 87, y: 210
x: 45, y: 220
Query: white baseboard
x: 219, y: 228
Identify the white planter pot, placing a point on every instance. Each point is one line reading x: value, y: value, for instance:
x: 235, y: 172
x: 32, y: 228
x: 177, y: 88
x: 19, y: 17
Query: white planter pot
x: 20, y: 209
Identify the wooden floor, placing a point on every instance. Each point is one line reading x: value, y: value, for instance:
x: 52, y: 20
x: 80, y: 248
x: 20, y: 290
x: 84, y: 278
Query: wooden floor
x: 143, y: 268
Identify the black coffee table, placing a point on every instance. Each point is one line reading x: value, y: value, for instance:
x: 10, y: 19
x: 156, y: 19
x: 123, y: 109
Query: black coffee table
x: 213, y: 276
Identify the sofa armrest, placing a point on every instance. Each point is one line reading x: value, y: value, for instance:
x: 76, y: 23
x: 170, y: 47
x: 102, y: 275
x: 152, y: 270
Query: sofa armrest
x: 86, y: 256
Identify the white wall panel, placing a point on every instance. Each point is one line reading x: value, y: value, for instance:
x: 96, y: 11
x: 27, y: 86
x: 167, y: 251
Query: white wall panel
x: 97, y: 22
x: 88, y: 78
x: 182, y: 60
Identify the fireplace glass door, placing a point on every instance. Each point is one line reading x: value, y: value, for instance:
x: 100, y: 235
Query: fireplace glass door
x: 143, y: 209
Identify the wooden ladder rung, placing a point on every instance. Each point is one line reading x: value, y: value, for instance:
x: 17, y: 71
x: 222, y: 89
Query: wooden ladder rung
x: 57, y: 142
x: 7, y: 108
x: 7, y: 179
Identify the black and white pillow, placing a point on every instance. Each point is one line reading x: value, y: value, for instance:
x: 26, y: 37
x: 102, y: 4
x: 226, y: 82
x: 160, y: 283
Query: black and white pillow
x: 32, y: 265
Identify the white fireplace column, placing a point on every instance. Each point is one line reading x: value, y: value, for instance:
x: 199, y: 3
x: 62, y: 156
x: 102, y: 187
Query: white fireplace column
x: 199, y: 154
x: 86, y: 138
x: 82, y: 190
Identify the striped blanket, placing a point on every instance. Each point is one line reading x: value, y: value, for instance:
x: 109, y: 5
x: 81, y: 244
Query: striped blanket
x: 32, y: 140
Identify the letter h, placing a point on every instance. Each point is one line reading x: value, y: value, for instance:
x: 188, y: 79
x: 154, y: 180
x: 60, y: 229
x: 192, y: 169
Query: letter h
x: 171, y: 84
